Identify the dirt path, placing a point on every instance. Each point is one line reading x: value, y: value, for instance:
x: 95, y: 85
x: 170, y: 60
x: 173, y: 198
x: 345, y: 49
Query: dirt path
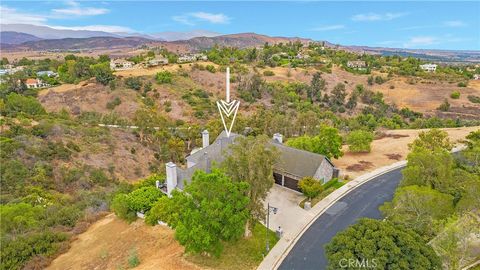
x: 388, y: 150
x: 108, y: 243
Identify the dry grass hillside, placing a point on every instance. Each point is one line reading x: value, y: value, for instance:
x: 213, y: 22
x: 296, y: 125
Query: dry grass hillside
x: 420, y: 95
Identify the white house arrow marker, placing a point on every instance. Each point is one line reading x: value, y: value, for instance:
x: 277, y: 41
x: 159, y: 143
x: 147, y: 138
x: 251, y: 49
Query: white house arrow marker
x: 228, y: 108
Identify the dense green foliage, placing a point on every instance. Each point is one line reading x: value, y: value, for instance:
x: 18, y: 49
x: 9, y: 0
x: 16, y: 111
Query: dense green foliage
x: 251, y: 160
x: 163, y: 77
x: 381, y: 245
x: 310, y: 187
x: 359, y: 141
x: 212, y: 209
x: 328, y: 142
x: 438, y: 193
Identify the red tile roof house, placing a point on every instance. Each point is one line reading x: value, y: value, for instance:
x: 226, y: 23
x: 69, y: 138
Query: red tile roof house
x: 35, y: 83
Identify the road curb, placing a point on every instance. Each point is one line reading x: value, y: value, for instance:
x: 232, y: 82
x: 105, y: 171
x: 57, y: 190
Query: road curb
x: 281, y: 249
x: 278, y: 253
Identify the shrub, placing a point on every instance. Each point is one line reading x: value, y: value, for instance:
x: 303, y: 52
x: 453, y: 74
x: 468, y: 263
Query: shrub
x: 310, y: 187
x: 114, y: 103
x: 462, y: 84
x: 211, y: 68
x: 133, y: 260
x: 445, y: 106
x: 268, y: 73
x: 163, y: 77
x: 359, y: 141
x: 142, y: 199
x: 455, y: 95
x: 121, y: 209
x: 473, y: 99
x: 379, y: 80
x: 16, y: 103
x: 134, y: 83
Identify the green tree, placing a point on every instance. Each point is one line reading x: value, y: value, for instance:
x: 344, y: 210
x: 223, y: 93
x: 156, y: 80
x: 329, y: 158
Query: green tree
x: 102, y: 72
x: 380, y: 244
x: 121, y: 209
x: 359, y: 141
x: 211, y: 209
x: 251, y: 160
x: 419, y: 208
x: 430, y: 162
x: 15, y: 104
x: 310, y: 187
x: 317, y: 86
x: 337, y: 98
x: 432, y: 140
x: 328, y: 142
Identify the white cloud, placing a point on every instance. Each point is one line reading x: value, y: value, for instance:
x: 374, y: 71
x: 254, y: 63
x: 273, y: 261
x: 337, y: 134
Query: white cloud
x: 194, y: 17
x: 370, y: 17
x: 420, y: 41
x: 328, y: 27
x: 454, y: 23
x: 104, y: 28
x: 12, y: 16
x: 76, y: 10
x: 210, y: 17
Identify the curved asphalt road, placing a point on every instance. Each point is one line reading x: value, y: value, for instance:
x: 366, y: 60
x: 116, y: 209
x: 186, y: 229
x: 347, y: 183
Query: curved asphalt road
x: 308, y: 252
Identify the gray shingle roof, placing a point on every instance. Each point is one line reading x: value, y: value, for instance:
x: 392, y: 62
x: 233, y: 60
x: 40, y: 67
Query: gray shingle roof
x: 292, y: 161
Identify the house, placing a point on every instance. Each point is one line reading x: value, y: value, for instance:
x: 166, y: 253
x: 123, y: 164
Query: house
x: 200, y: 57
x: 429, y: 67
x: 293, y: 164
x: 187, y: 58
x: 302, y: 56
x: 35, y: 83
x: 476, y: 76
x: 119, y: 64
x: 356, y: 64
x: 47, y: 73
x: 157, y: 61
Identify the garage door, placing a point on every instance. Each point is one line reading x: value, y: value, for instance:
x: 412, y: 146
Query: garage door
x: 278, y: 178
x: 291, y: 183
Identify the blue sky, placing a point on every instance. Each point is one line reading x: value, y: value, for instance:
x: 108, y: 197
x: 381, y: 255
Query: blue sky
x: 423, y: 25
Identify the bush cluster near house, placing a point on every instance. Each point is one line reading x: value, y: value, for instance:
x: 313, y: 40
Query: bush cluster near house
x: 310, y: 187
x: 164, y: 77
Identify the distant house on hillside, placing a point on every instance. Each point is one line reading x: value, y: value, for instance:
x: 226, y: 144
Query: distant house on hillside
x: 356, y: 64
x: 119, y: 64
x: 429, y: 67
x: 188, y: 58
x: 157, y: 61
x: 35, y: 83
x: 292, y: 166
x: 476, y: 76
x: 47, y: 73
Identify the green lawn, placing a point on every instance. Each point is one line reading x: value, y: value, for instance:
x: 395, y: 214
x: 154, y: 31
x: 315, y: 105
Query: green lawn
x: 242, y: 254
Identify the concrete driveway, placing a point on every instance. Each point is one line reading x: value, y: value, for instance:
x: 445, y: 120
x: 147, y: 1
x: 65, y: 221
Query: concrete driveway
x: 289, y: 215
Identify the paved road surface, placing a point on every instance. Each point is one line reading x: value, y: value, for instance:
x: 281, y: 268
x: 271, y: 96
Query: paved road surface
x: 308, y: 252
